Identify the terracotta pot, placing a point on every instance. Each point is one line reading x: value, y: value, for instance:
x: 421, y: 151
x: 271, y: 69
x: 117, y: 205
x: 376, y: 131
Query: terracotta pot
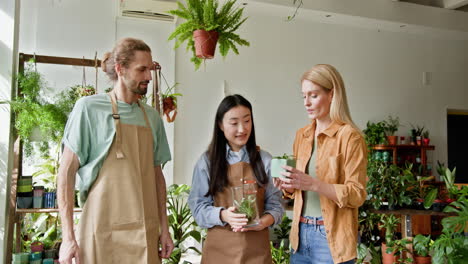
x: 37, y: 246
x: 392, y: 140
x: 426, y: 141
x: 205, y: 43
x: 422, y: 260
x: 388, y: 258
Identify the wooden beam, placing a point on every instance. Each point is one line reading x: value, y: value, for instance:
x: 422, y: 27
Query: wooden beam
x: 454, y: 4
x: 61, y: 60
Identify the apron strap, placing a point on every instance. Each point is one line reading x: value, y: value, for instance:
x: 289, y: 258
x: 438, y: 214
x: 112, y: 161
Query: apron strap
x: 118, y: 129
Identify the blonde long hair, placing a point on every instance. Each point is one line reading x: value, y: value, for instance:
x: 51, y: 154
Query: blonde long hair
x: 327, y: 77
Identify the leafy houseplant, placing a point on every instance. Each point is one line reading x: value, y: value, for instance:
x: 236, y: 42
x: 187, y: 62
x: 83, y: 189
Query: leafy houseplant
x: 375, y: 134
x: 34, y: 112
x: 181, y: 223
x: 247, y: 206
x: 425, y: 137
x: 416, y: 133
x: 391, y: 126
x: 281, y: 231
x: 393, y: 250
x: 169, y: 99
x: 281, y: 254
x: 451, y: 246
x: 389, y: 183
x: 449, y: 179
x: 208, y: 18
x: 422, y: 246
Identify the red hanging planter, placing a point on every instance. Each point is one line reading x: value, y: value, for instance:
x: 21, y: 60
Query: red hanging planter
x: 205, y: 43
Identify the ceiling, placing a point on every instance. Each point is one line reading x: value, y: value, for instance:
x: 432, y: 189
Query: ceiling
x: 461, y: 5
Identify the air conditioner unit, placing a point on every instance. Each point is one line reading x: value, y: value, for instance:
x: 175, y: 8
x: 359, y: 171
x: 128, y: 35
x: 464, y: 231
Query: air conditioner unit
x: 148, y: 9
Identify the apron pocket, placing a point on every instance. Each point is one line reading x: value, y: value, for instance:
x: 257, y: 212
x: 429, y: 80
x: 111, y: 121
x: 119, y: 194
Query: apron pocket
x: 129, y: 243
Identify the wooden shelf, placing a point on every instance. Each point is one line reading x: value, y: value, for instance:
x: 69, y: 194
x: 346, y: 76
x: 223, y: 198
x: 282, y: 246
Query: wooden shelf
x: 411, y: 212
x: 410, y: 147
x: 43, y: 210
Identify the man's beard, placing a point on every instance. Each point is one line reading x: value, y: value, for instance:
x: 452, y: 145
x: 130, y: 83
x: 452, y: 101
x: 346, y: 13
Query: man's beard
x: 138, y: 90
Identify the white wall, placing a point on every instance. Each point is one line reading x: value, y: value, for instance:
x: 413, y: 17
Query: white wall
x: 382, y: 72
x: 9, y: 16
x: 79, y: 29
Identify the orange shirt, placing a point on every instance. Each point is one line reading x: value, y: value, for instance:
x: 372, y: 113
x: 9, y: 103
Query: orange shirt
x: 341, y: 161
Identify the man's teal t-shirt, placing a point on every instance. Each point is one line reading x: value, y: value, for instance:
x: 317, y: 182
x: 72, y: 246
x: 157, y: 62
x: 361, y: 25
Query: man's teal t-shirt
x: 90, y: 131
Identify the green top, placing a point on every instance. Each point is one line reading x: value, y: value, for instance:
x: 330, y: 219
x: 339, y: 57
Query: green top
x: 311, y: 199
x: 90, y: 131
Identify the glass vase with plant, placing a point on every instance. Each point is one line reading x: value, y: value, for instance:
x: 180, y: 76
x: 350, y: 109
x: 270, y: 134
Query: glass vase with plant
x: 244, y: 199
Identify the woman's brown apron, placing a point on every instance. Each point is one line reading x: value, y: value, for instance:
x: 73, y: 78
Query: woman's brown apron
x: 222, y: 245
x: 120, y: 221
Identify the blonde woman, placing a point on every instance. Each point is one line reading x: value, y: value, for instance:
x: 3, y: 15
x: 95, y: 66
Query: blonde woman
x: 329, y: 181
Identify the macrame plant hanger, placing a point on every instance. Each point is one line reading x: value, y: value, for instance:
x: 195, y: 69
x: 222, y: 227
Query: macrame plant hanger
x: 96, y: 68
x: 156, y: 98
x: 83, y: 81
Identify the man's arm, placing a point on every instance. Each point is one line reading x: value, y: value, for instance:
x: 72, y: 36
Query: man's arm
x: 66, y: 199
x: 165, y: 238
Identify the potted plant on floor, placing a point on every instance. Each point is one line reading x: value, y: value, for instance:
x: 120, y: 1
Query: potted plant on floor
x: 207, y: 22
x: 422, y: 247
x: 389, y: 223
x: 280, y: 254
x: 181, y: 223
x: 281, y: 232
x: 391, y: 126
x: 450, y: 247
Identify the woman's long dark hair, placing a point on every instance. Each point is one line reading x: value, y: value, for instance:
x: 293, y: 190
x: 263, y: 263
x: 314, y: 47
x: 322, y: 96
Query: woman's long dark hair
x: 218, y: 166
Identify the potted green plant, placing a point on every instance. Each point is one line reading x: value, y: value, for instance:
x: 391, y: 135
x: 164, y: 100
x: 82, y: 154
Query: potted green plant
x: 244, y: 199
x: 391, y: 126
x: 422, y: 247
x: 181, y: 223
x: 281, y: 232
x: 425, y: 138
x: 34, y: 114
x: 169, y: 100
x: 389, y: 223
x: 280, y: 254
x: 450, y: 247
x: 279, y: 161
x: 416, y: 133
x: 389, y: 183
x: 375, y: 133
x: 208, y: 22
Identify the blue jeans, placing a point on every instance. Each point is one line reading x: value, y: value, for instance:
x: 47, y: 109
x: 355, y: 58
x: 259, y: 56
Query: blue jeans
x: 313, y: 246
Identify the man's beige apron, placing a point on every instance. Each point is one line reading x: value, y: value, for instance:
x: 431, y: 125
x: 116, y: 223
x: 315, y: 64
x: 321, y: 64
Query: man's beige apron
x: 222, y: 245
x: 120, y: 221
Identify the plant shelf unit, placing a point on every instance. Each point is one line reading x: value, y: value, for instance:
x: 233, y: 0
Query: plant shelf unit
x: 16, y: 215
x: 398, y: 149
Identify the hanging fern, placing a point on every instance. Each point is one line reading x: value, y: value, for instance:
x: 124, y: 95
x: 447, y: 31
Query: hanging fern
x: 207, y: 15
